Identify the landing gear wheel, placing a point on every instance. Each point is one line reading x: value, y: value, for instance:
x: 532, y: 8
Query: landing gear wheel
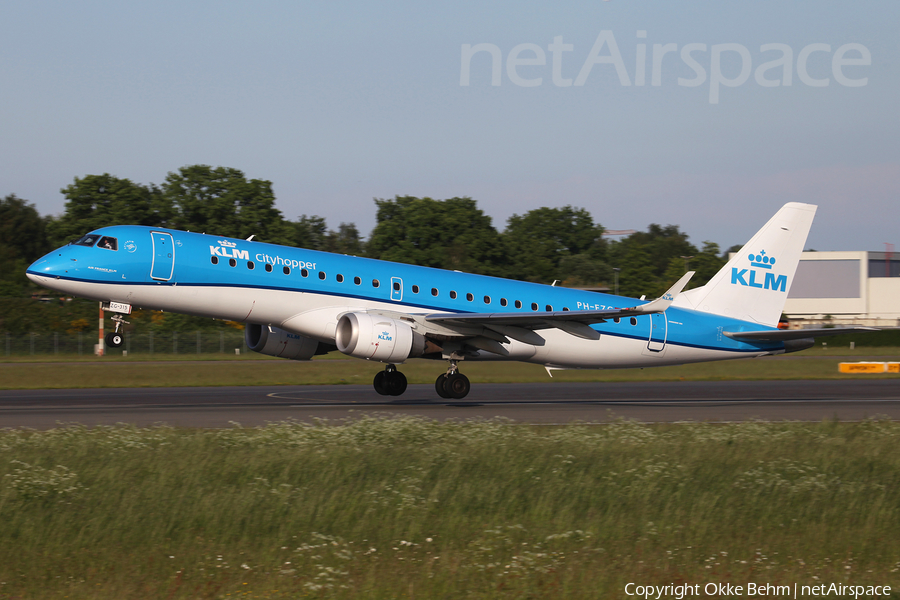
x: 395, y: 383
x: 379, y: 383
x: 440, y: 386
x: 457, y: 385
x: 113, y: 340
x: 390, y: 382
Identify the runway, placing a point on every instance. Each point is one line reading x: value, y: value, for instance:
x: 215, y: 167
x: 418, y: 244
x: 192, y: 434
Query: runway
x: 543, y: 403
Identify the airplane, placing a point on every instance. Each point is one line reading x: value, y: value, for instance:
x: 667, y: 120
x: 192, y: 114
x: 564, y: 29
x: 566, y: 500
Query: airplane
x: 298, y: 303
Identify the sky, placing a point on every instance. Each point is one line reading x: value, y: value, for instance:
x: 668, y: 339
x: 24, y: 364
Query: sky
x: 706, y: 115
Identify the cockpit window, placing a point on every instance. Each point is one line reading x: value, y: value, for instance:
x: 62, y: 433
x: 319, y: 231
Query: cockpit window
x: 87, y: 240
x: 110, y: 243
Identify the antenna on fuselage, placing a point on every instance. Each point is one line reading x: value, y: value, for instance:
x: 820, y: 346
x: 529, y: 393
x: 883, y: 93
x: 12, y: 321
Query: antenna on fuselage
x: 250, y: 239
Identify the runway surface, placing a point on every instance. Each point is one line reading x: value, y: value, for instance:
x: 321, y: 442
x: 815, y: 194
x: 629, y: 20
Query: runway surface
x: 531, y: 403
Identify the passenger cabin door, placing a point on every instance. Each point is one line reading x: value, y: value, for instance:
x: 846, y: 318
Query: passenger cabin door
x: 658, y: 329
x: 396, y: 289
x: 163, y: 266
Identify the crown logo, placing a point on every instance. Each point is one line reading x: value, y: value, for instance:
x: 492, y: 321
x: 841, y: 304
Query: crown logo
x: 762, y: 260
x: 227, y: 244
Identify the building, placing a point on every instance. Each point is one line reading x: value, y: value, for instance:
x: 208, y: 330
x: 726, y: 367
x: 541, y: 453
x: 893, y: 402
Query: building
x: 846, y: 288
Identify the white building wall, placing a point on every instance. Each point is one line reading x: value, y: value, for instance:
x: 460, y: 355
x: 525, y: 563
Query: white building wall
x: 884, y: 297
x: 824, y: 286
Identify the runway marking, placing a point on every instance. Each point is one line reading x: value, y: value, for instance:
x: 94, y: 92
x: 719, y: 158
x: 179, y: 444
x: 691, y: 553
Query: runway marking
x: 713, y: 402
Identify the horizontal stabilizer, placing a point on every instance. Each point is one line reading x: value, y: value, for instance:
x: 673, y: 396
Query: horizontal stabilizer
x: 779, y: 335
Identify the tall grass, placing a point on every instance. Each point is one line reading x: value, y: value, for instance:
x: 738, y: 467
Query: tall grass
x: 408, y: 507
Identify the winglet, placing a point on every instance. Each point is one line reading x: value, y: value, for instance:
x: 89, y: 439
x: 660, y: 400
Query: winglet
x: 665, y: 301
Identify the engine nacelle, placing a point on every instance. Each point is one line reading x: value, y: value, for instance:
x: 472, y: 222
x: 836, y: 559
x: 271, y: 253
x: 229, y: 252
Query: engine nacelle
x: 378, y: 338
x: 273, y: 341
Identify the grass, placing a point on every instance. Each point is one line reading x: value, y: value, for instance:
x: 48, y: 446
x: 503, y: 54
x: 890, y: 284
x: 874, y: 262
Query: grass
x: 412, y: 508
x: 128, y: 372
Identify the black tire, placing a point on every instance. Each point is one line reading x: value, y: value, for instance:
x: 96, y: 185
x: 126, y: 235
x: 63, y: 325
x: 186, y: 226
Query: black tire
x: 395, y: 383
x: 458, y: 386
x: 114, y: 340
x: 380, y: 383
x: 440, y: 386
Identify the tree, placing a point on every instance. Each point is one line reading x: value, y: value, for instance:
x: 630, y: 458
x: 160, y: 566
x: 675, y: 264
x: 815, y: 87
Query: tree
x: 448, y: 234
x: 309, y: 232
x: 539, y: 240
x: 637, y: 277
x: 345, y: 240
x: 23, y: 239
x: 96, y: 201
x: 658, y: 252
x: 705, y: 263
x: 583, y: 270
x: 222, y: 201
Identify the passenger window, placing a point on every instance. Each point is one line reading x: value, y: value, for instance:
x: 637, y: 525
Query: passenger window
x: 322, y: 275
x: 304, y: 273
x: 109, y: 243
x: 434, y: 291
x: 357, y: 280
x: 487, y: 299
x: 376, y: 283
x: 470, y: 297
x: 232, y: 262
x: 396, y: 286
x: 214, y: 260
x: 518, y: 304
x: 503, y: 302
x: 287, y: 270
x: 415, y: 289
x: 565, y: 309
x: 250, y: 265
x: 534, y: 306
x: 617, y: 320
x: 452, y: 295
x: 268, y: 268
x: 633, y: 321
x: 548, y: 308
x: 339, y: 278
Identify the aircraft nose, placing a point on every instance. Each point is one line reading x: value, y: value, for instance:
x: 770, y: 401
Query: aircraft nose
x: 51, y: 266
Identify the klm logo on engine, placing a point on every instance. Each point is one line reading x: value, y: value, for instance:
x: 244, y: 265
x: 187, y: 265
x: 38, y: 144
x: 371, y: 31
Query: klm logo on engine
x: 759, y: 279
x: 385, y: 336
x: 227, y: 249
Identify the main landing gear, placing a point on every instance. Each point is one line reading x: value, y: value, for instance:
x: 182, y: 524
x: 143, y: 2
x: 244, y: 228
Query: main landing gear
x: 451, y: 384
x: 390, y: 382
x: 114, y: 339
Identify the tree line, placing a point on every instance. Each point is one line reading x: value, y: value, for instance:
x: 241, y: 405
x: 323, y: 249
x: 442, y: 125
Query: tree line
x: 543, y: 245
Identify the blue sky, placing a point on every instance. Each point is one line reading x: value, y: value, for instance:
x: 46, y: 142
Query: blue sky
x: 340, y: 102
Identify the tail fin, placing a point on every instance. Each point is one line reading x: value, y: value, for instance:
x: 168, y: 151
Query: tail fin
x: 755, y: 283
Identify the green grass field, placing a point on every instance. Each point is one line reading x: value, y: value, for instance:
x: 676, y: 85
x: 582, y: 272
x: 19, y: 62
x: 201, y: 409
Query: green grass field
x: 133, y: 372
x: 411, y: 508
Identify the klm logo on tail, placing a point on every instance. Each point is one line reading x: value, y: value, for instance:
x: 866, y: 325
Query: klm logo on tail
x: 751, y: 277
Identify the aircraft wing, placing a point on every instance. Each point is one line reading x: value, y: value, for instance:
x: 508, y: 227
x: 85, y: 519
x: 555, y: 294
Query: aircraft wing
x: 778, y: 335
x: 573, y: 322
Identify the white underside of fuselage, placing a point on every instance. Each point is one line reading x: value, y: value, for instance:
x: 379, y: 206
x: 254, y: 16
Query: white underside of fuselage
x: 316, y: 316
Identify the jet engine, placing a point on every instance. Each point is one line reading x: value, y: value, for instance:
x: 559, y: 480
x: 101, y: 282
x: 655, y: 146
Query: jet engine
x: 273, y: 341
x: 378, y: 338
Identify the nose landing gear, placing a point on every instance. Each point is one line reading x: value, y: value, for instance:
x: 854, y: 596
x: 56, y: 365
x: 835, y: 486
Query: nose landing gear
x: 114, y: 339
x: 390, y: 382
